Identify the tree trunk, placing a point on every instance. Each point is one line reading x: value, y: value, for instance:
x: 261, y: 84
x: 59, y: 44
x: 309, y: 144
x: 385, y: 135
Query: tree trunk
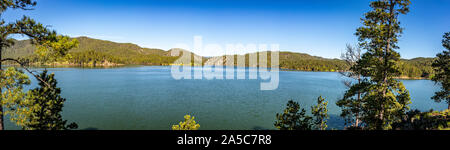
x: 1, y: 106
x: 359, y: 99
x: 388, y: 46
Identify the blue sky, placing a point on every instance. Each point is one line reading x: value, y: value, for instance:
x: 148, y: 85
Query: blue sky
x: 320, y: 28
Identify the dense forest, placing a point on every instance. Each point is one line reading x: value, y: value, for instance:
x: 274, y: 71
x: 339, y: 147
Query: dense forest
x: 417, y: 67
x: 92, y: 51
x: 106, y: 53
x: 305, y: 62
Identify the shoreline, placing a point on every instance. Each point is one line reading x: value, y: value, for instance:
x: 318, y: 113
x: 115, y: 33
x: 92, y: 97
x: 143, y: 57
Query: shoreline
x: 113, y: 65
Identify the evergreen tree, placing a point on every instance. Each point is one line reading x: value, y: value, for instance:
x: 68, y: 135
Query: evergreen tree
x: 293, y: 118
x: 430, y: 120
x: 351, y: 106
x: 39, y: 35
x: 442, y: 68
x: 188, y: 124
x: 385, y: 100
x: 320, y: 113
x: 12, y: 95
x: 25, y: 26
x: 51, y: 51
x: 45, y: 105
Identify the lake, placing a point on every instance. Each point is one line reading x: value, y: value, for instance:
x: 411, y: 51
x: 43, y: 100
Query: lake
x: 148, y: 98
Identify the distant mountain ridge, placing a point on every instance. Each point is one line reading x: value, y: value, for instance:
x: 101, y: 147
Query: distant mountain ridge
x: 95, y: 51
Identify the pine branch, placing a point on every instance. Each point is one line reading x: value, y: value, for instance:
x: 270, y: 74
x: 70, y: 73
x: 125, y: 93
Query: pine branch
x: 23, y: 65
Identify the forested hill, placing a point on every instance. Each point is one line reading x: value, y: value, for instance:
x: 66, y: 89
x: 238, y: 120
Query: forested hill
x: 417, y: 67
x: 98, y: 51
x: 101, y: 52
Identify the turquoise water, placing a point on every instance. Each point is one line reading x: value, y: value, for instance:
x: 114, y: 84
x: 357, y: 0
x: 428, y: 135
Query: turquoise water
x: 134, y: 98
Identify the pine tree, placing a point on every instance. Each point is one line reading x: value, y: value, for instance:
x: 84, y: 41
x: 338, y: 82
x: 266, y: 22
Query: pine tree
x: 45, y: 106
x: 320, y: 114
x: 351, y: 106
x: 293, y: 118
x: 188, y: 124
x: 12, y: 81
x: 25, y: 26
x: 385, y: 100
x: 442, y: 68
x: 39, y: 34
x: 429, y: 120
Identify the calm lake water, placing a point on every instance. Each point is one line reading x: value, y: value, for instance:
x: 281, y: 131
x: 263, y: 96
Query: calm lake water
x: 134, y: 98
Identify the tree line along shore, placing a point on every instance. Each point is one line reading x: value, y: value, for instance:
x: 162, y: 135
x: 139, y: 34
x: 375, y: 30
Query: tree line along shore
x: 101, y: 53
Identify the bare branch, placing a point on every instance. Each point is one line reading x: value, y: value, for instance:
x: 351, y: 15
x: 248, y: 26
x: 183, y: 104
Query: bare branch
x: 23, y: 65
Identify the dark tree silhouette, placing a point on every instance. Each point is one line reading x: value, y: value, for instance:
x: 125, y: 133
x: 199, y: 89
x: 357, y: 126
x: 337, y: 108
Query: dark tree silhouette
x: 442, y: 68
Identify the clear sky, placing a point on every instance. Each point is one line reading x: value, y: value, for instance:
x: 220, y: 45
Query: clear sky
x: 317, y: 27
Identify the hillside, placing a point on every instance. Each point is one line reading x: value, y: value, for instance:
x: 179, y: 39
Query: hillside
x: 305, y: 62
x: 93, y: 51
x: 417, y: 67
x: 292, y: 61
x: 98, y: 51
